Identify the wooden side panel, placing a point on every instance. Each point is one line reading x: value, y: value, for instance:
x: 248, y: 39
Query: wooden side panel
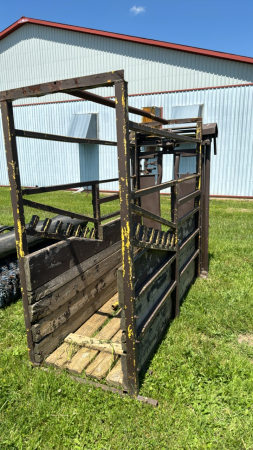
x: 50, y: 262
x: 75, y: 289
x: 51, y: 341
x: 81, y: 303
x: 66, y: 307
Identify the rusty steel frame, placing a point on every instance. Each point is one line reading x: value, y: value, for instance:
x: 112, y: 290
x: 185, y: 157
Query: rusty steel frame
x: 129, y: 190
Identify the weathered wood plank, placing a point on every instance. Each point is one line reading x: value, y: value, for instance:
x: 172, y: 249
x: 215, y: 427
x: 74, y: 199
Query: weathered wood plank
x: 50, y: 342
x: 60, y: 356
x: 115, y: 376
x: 84, y: 357
x: 101, y: 365
x: 73, y: 288
x: 67, y: 276
x: 50, y: 262
x: 95, y: 344
x: 103, y: 362
x: 81, y: 302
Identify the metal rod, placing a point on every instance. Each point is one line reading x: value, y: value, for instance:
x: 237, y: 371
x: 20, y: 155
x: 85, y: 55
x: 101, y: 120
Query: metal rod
x: 60, y: 187
x: 58, y: 138
x: 188, y: 197
x: 143, y: 212
x: 52, y: 209
x: 110, y: 198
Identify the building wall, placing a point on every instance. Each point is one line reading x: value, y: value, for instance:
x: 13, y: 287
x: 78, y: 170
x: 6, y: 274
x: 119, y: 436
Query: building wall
x: 45, y: 163
x: 37, y: 54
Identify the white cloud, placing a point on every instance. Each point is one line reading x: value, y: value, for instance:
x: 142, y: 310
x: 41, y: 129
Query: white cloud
x: 137, y: 10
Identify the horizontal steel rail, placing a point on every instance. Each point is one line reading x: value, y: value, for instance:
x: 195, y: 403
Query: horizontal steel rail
x: 148, y: 322
x: 143, y: 212
x: 186, y: 265
x: 61, y: 187
x: 58, y: 138
x: 182, y: 180
x: 52, y: 209
x: 189, y: 239
x: 159, y: 187
x: 188, y: 197
x: 191, y: 213
x: 54, y: 87
x: 110, y: 198
x: 111, y: 103
x: 157, y: 273
x: 108, y: 216
x: 161, y: 133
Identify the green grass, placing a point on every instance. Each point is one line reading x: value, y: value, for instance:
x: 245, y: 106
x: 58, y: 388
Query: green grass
x: 200, y: 374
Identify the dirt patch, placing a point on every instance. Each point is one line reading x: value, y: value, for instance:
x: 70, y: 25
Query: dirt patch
x: 246, y: 339
x: 230, y: 210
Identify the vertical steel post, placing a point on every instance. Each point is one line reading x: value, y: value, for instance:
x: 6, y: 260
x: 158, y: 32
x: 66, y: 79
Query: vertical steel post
x: 126, y: 234
x: 96, y: 207
x: 18, y: 209
x: 205, y: 230
x: 174, y: 218
x: 198, y: 200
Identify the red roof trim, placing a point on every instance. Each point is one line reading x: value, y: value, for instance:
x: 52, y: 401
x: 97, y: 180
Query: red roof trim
x: 138, y: 40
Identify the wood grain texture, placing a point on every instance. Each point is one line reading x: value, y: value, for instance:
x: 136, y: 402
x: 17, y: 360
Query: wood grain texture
x: 95, y: 344
x: 74, y: 288
x: 83, y: 301
x: 84, y: 357
x: 50, y: 262
x: 51, y: 286
x: 103, y: 362
x: 50, y: 342
x: 115, y: 376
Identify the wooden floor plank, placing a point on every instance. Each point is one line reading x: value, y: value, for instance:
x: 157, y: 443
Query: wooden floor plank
x: 81, y: 360
x: 115, y: 376
x: 61, y: 356
x: 101, y: 365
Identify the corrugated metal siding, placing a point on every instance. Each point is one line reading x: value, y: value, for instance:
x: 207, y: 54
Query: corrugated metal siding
x: 231, y: 171
x: 36, y: 54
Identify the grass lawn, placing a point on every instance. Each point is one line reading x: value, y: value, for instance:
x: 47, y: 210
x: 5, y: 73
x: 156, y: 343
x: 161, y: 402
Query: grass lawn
x: 200, y: 374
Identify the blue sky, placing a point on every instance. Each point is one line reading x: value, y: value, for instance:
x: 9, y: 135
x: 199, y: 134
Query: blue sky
x: 222, y: 25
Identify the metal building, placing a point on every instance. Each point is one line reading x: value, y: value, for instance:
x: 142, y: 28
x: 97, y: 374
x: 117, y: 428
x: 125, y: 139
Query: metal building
x: 159, y: 74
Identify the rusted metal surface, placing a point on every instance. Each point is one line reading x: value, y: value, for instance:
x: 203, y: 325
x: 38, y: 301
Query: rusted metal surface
x: 18, y: 210
x: 185, y: 241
